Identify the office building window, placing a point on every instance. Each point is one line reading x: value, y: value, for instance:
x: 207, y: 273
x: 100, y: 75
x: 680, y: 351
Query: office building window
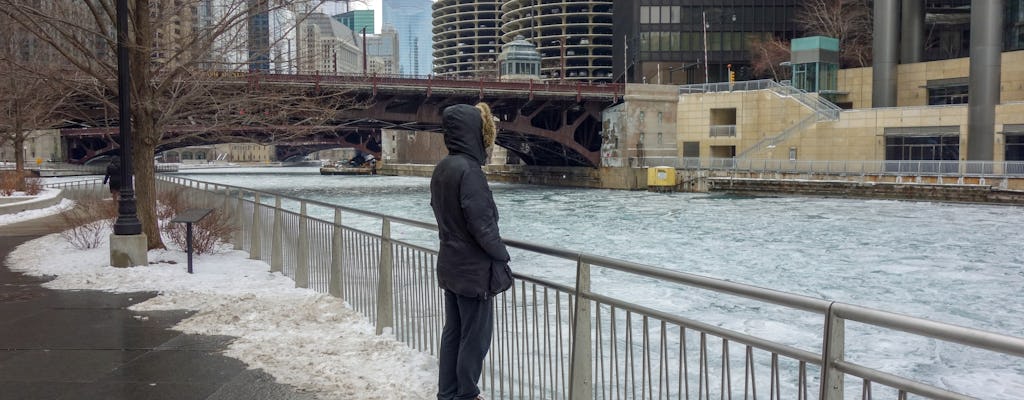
x: 1014, y: 146
x: 956, y: 94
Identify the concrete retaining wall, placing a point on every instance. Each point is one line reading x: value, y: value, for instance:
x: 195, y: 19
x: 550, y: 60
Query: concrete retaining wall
x: 873, y: 190
x: 604, y: 178
x: 974, y: 190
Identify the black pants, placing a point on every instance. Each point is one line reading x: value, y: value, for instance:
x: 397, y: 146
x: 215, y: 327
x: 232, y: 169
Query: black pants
x: 464, y: 343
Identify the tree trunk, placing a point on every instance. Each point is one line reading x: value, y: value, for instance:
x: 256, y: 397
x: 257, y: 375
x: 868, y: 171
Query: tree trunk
x: 143, y: 149
x: 19, y: 154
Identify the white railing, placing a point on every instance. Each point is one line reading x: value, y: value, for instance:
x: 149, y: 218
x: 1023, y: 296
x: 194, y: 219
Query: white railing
x: 583, y: 338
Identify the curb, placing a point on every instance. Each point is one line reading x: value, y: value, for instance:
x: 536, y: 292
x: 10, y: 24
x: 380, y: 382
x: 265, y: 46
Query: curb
x: 30, y: 204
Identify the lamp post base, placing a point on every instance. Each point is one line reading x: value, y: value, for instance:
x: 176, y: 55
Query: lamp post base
x: 128, y: 250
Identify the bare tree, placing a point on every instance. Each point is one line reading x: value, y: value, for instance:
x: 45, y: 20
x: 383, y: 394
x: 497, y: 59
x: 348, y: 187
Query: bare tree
x: 767, y: 56
x: 847, y: 20
x: 180, y: 53
x: 29, y: 100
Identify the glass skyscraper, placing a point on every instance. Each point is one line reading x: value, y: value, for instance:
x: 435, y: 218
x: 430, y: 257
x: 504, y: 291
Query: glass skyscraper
x: 356, y: 20
x: 411, y: 18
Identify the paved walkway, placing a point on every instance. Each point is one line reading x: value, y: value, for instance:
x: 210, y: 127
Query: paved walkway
x: 83, y: 344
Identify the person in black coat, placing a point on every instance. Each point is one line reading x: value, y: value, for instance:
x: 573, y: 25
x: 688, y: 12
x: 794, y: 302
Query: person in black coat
x: 467, y: 222
x: 113, y: 175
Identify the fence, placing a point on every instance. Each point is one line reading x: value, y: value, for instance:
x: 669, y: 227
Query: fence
x: 588, y: 339
x: 991, y: 169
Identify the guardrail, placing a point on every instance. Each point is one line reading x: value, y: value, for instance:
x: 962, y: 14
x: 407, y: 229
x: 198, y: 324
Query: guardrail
x: 824, y: 108
x: 584, y: 338
x: 953, y: 169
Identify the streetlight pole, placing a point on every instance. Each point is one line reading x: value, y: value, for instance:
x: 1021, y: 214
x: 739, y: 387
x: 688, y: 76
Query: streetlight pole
x: 128, y: 245
x: 704, y: 25
x: 364, y: 49
x: 127, y: 222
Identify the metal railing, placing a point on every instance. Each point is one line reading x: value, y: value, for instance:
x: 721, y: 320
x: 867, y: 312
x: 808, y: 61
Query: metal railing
x: 772, y: 141
x: 823, y: 110
x: 722, y: 130
x: 578, y: 336
x: 826, y: 109
x: 953, y: 169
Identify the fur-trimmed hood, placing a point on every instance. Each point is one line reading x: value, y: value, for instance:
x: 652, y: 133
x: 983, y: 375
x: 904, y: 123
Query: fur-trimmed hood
x: 468, y: 130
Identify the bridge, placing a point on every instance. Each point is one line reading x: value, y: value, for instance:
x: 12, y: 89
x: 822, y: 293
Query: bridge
x: 546, y: 124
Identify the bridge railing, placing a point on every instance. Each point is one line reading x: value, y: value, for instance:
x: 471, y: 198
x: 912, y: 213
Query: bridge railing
x: 438, y: 82
x: 583, y: 332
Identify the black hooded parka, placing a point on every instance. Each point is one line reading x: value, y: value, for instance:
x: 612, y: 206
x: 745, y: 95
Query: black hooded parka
x: 467, y: 219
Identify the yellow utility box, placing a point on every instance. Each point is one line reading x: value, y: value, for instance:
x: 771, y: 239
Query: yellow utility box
x: 661, y: 179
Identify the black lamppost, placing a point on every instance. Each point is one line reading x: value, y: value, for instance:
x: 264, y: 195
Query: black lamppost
x: 127, y: 221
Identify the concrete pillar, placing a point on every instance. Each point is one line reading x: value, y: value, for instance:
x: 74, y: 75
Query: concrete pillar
x: 984, y: 77
x: 885, y: 53
x: 912, y: 31
x: 129, y: 250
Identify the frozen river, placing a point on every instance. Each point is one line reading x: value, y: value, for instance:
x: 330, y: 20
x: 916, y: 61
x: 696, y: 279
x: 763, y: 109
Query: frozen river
x: 956, y: 263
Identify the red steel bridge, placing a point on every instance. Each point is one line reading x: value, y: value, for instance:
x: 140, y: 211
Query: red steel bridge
x: 548, y: 124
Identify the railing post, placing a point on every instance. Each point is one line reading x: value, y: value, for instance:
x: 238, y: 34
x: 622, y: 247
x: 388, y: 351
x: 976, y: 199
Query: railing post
x: 334, y: 285
x: 225, y: 204
x: 580, y: 367
x: 302, y: 256
x: 385, y: 298
x: 276, y: 247
x: 833, y: 347
x: 238, y: 215
x: 255, y: 247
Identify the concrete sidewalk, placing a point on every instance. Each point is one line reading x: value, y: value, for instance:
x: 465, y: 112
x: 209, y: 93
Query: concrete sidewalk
x: 82, y: 344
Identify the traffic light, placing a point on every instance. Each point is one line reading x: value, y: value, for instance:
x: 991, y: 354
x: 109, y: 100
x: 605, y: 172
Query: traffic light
x: 732, y: 74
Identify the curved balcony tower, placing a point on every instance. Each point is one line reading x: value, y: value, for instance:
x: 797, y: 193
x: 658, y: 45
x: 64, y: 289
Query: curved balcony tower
x: 467, y: 38
x: 572, y: 36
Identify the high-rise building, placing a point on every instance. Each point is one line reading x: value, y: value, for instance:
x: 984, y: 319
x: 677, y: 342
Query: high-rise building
x: 325, y: 46
x: 467, y: 38
x: 383, y: 52
x: 411, y: 19
x: 574, y: 38
x: 259, y: 35
x: 356, y: 20
x: 690, y: 41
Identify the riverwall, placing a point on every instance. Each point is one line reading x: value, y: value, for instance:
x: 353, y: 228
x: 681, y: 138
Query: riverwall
x: 867, y: 189
x: 597, y: 178
x: 1001, y: 190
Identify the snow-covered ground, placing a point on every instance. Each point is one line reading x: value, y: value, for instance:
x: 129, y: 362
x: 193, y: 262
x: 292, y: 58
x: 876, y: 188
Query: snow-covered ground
x: 38, y: 213
x: 306, y: 339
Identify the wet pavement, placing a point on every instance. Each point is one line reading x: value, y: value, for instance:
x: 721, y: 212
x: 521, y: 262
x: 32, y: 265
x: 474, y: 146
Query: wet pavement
x: 82, y: 344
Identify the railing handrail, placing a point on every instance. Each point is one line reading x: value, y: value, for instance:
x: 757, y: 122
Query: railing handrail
x: 956, y: 333
x: 943, y: 168
x: 830, y: 360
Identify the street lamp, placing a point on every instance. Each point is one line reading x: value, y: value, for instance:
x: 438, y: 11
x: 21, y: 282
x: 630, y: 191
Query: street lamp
x: 127, y: 222
x: 128, y: 244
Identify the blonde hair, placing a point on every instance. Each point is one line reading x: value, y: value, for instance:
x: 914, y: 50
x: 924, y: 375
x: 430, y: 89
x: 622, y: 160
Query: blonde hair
x: 490, y: 131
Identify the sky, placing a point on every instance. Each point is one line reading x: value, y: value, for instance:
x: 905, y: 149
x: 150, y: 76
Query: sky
x: 306, y: 339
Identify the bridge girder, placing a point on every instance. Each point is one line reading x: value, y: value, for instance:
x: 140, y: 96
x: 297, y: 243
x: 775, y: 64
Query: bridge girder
x: 548, y: 132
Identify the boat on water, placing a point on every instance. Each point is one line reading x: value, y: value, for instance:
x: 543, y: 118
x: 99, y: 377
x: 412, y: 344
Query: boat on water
x: 345, y: 170
x: 359, y: 165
